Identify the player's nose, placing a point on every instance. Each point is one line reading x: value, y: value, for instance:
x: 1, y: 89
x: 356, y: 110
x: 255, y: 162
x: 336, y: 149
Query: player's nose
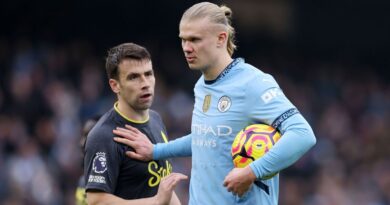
x: 187, y: 48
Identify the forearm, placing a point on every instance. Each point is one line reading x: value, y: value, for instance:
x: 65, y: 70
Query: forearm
x: 297, y: 139
x: 174, y: 200
x: 102, y: 198
x: 180, y: 147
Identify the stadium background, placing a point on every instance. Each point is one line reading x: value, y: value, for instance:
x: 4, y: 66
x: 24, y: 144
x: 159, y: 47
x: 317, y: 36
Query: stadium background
x: 330, y: 57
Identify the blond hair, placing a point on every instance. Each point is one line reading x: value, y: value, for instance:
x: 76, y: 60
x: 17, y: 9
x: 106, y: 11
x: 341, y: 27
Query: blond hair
x: 221, y: 15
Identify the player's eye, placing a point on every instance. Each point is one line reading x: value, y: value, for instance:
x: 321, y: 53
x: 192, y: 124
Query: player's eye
x: 132, y: 77
x: 194, y: 39
x: 149, y: 73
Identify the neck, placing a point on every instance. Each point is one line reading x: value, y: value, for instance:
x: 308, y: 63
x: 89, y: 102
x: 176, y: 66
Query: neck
x: 216, y: 69
x: 137, y: 116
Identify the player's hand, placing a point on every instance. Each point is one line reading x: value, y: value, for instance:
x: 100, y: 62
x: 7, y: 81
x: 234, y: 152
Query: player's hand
x: 134, y: 138
x: 239, y: 180
x: 166, y: 187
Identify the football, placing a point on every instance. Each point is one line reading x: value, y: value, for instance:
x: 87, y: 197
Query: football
x: 253, y: 142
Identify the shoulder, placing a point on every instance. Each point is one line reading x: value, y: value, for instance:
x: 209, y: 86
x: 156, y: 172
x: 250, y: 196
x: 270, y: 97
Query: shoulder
x: 154, y: 115
x: 155, y: 119
x: 255, y: 79
x: 102, y: 131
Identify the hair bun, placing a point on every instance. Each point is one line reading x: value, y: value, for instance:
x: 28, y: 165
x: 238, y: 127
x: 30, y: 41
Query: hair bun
x: 227, y: 11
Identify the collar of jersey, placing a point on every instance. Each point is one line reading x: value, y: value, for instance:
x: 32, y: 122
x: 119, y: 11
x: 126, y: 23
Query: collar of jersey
x: 225, y: 71
x: 128, y: 119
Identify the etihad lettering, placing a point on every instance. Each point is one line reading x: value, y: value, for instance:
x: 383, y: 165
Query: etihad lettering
x: 158, y: 172
x: 219, y: 130
x: 204, y: 143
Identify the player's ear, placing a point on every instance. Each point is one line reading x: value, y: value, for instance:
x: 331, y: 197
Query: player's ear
x: 222, y: 39
x: 114, y: 84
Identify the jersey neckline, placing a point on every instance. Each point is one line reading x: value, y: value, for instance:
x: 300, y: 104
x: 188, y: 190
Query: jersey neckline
x: 225, y: 71
x: 128, y: 119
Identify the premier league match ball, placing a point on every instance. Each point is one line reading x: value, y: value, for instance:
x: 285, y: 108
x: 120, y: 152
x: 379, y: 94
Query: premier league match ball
x: 253, y: 142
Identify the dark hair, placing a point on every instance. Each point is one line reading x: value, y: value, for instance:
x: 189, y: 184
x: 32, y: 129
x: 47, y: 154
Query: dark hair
x: 123, y: 51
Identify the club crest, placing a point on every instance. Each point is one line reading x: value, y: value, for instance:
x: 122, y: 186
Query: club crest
x: 224, y: 103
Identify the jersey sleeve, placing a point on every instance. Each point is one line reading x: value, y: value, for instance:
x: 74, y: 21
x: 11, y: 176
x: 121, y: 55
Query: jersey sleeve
x: 180, y: 147
x: 101, y: 162
x: 271, y: 106
x: 267, y: 101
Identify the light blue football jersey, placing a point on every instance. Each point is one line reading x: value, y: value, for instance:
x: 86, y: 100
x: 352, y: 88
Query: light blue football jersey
x: 240, y: 96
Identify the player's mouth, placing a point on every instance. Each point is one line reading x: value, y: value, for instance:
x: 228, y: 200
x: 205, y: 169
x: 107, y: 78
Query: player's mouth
x: 146, y: 97
x: 190, y: 59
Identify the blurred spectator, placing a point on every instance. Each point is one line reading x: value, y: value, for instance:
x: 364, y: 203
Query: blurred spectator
x: 80, y: 194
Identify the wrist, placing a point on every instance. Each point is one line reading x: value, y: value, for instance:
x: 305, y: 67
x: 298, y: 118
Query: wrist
x: 154, y: 200
x: 249, y: 172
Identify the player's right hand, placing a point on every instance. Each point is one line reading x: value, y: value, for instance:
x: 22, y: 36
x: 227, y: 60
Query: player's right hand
x: 166, y: 188
x: 134, y: 138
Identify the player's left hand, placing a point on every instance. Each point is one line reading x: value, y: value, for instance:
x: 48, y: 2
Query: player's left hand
x: 239, y: 180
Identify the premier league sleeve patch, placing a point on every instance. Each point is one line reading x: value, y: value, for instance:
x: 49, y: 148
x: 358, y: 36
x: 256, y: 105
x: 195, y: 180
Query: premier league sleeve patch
x: 99, y: 163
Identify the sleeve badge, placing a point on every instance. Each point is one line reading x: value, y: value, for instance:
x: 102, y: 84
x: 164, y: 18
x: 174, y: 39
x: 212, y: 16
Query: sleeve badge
x: 100, y: 163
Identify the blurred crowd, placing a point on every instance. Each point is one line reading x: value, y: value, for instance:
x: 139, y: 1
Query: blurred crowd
x: 48, y: 90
